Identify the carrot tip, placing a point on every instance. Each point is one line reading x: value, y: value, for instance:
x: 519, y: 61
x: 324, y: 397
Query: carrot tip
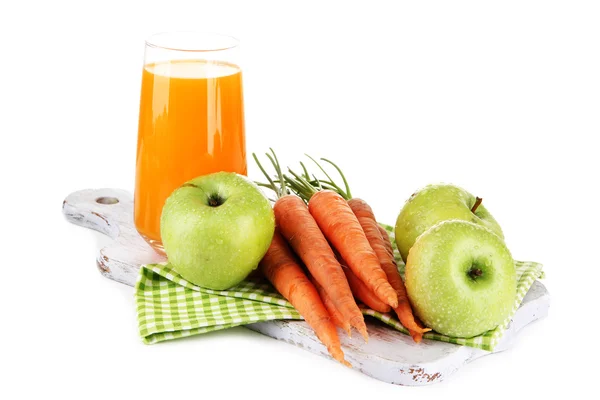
x: 364, y: 334
x: 392, y: 299
x: 418, y: 329
x: 417, y: 335
x: 362, y: 329
x: 338, y: 355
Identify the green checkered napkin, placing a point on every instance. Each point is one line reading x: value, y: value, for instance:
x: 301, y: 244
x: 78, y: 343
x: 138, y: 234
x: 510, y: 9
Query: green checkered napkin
x: 169, y: 307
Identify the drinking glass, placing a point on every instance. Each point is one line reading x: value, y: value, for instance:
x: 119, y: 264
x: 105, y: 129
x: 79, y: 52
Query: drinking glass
x: 191, y: 120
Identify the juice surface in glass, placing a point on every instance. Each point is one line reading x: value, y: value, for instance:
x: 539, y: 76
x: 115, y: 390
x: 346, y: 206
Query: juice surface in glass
x: 191, y: 124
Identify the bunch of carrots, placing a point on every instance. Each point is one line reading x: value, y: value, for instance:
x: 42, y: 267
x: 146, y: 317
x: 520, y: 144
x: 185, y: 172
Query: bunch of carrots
x: 328, y: 251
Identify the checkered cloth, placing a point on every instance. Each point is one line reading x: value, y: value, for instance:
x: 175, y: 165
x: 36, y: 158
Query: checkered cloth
x: 169, y: 307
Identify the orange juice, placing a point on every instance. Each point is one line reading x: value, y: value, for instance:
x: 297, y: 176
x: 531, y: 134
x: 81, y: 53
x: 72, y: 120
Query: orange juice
x: 191, y: 124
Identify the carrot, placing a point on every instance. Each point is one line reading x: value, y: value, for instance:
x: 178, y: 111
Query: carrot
x: 386, y: 240
x: 362, y: 292
x: 301, y: 231
x: 336, y: 316
x: 280, y: 267
x: 418, y: 336
x: 341, y: 227
x: 381, y: 245
x: 367, y: 220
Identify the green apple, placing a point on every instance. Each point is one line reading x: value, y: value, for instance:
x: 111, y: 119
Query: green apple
x: 461, y: 279
x: 216, y: 228
x: 436, y: 203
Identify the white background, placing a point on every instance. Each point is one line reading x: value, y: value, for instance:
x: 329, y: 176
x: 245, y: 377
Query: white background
x: 501, y: 98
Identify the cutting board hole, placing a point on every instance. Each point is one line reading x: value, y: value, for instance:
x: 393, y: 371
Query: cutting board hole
x: 107, y: 200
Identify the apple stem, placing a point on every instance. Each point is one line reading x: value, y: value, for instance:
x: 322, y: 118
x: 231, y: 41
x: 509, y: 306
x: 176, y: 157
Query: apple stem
x: 478, y: 201
x: 215, y: 200
x: 475, y: 273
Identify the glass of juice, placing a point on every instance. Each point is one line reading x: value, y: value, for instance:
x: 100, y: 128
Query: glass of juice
x: 191, y: 119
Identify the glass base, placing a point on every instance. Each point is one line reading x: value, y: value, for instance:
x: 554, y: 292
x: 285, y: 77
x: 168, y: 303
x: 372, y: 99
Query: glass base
x: 155, y: 244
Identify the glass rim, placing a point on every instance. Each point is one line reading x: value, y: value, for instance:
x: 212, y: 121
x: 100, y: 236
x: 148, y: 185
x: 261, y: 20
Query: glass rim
x: 167, y: 40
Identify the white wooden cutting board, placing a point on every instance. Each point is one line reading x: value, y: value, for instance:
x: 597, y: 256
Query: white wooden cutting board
x: 389, y: 356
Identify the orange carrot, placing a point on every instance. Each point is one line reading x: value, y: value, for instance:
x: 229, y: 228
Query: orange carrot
x: 406, y: 314
x: 418, y: 336
x: 387, y: 243
x: 363, y: 293
x: 367, y: 220
x: 301, y: 231
x: 336, y: 316
x: 280, y: 267
x: 341, y: 227
x: 299, y: 228
x: 379, y: 241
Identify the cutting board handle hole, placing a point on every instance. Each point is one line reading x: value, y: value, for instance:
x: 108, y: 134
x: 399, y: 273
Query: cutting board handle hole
x: 107, y: 200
